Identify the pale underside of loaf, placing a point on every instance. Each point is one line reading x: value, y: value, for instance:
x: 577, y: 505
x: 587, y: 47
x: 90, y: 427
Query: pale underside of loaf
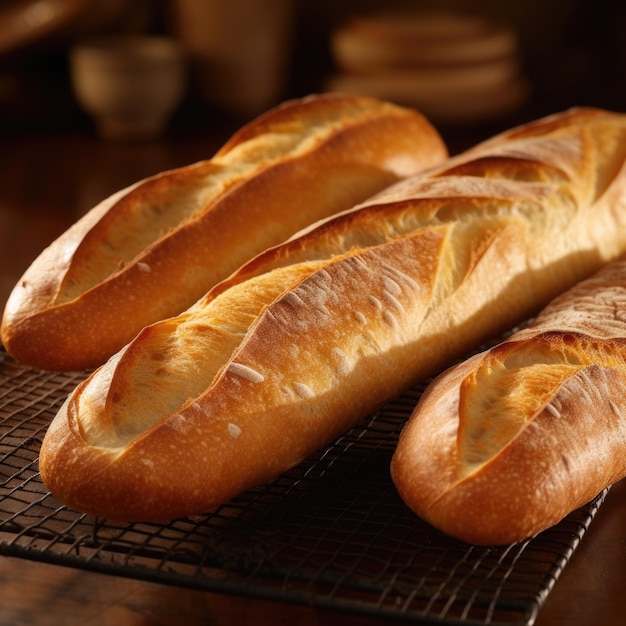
x: 508, y: 443
x: 313, y: 334
x: 151, y: 250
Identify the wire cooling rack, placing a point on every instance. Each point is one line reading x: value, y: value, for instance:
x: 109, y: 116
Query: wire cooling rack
x: 331, y: 533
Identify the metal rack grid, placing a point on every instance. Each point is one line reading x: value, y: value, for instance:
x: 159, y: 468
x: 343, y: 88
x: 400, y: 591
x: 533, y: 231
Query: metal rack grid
x: 331, y: 533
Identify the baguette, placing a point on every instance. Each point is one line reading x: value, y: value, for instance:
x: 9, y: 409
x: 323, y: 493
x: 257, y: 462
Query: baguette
x: 151, y: 250
x: 312, y: 335
x: 507, y: 443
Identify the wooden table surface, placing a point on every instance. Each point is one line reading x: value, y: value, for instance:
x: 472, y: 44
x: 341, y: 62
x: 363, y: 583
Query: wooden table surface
x: 46, y: 182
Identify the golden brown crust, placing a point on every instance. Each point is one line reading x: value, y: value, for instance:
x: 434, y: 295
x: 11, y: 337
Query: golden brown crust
x: 313, y: 334
x: 509, y: 442
x: 150, y: 251
x: 257, y: 417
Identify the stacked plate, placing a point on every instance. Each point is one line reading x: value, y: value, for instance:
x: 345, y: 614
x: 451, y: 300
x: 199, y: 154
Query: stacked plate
x: 454, y: 68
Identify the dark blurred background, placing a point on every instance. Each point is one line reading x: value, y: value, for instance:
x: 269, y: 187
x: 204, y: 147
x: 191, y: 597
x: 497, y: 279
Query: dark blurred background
x: 571, y: 52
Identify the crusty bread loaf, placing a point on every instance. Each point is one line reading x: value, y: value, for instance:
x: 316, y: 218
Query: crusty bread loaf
x: 312, y: 335
x: 152, y: 250
x: 510, y: 441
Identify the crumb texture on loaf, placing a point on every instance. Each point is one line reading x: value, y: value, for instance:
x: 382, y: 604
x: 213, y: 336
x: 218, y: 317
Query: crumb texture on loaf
x: 313, y: 334
x: 151, y: 250
x: 509, y: 442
